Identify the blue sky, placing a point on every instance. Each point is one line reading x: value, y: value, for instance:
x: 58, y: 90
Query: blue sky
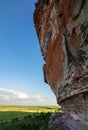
x: 20, y: 57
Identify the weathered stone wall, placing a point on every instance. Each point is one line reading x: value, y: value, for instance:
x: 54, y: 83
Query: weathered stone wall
x: 62, y: 28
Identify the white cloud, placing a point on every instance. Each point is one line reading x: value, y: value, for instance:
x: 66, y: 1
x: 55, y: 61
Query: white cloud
x: 5, y: 97
x: 13, y: 94
x: 12, y: 97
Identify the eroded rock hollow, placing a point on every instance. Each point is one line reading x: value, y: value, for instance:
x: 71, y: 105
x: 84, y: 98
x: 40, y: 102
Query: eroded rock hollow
x: 62, y: 28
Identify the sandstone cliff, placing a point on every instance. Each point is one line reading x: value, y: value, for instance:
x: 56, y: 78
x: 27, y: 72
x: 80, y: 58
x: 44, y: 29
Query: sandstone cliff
x: 62, y: 28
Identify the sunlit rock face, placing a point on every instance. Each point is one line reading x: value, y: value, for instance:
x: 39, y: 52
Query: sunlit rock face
x: 62, y: 28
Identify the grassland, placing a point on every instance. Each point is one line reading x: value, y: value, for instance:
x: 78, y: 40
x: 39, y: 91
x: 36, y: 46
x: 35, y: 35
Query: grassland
x: 30, y: 108
x: 11, y: 112
x: 26, y: 117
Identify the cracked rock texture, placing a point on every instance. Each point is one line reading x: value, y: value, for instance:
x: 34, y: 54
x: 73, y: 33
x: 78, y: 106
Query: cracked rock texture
x: 62, y: 28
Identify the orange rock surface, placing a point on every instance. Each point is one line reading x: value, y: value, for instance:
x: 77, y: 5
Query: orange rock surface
x: 62, y: 29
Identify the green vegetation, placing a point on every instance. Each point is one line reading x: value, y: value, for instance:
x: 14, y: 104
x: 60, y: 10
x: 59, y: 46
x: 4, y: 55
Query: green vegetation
x: 34, y: 121
x: 30, y: 108
x: 26, y: 117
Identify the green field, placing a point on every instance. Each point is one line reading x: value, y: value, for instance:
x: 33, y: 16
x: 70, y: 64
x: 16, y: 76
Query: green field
x: 11, y: 112
x: 26, y: 117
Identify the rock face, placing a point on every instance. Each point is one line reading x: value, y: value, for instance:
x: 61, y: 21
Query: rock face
x: 62, y: 28
x: 60, y: 121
